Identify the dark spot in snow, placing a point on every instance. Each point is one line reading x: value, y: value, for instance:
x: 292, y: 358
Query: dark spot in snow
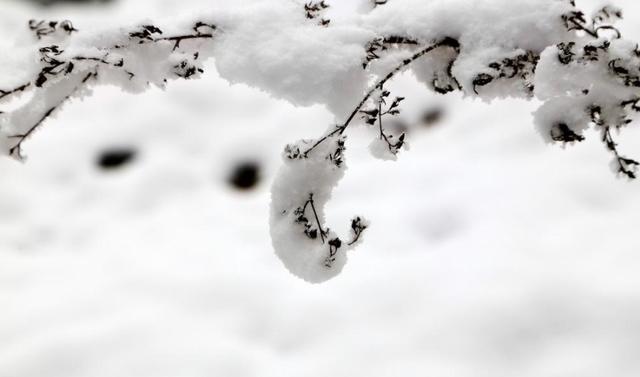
x: 431, y: 117
x: 245, y: 176
x: 115, y: 157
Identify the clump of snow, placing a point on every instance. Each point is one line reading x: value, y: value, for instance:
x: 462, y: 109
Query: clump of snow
x: 302, y: 187
x: 380, y: 149
x: 575, y: 78
x: 273, y: 46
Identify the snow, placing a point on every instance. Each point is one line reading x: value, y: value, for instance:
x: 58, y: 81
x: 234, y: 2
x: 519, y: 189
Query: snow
x: 488, y: 253
x: 274, y: 47
x: 301, y: 190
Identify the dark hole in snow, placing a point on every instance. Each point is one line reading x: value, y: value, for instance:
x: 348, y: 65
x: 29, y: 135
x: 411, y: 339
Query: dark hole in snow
x: 245, y: 176
x: 431, y: 117
x: 115, y: 158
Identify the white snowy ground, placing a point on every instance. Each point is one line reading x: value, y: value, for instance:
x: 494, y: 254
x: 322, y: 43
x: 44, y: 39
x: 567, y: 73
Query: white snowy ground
x: 490, y: 253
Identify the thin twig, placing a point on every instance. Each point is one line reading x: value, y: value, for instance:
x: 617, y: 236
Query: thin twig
x: 21, y: 88
x: 179, y: 38
x: 625, y: 165
x: 15, y: 150
x: 315, y: 214
x: 583, y: 28
x: 445, y: 42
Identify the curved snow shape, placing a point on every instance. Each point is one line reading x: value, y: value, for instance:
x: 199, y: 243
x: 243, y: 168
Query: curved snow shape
x: 306, y: 246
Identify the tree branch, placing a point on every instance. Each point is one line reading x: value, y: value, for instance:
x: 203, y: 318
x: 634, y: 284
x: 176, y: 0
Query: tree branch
x: 16, y: 149
x: 21, y: 88
x: 445, y: 42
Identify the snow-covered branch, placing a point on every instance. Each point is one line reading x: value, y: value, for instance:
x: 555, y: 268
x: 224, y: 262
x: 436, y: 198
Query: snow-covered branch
x: 132, y: 59
x: 580, y: 68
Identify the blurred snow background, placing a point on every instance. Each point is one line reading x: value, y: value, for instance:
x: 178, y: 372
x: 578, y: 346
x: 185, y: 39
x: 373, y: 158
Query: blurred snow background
x: 490, y: 253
